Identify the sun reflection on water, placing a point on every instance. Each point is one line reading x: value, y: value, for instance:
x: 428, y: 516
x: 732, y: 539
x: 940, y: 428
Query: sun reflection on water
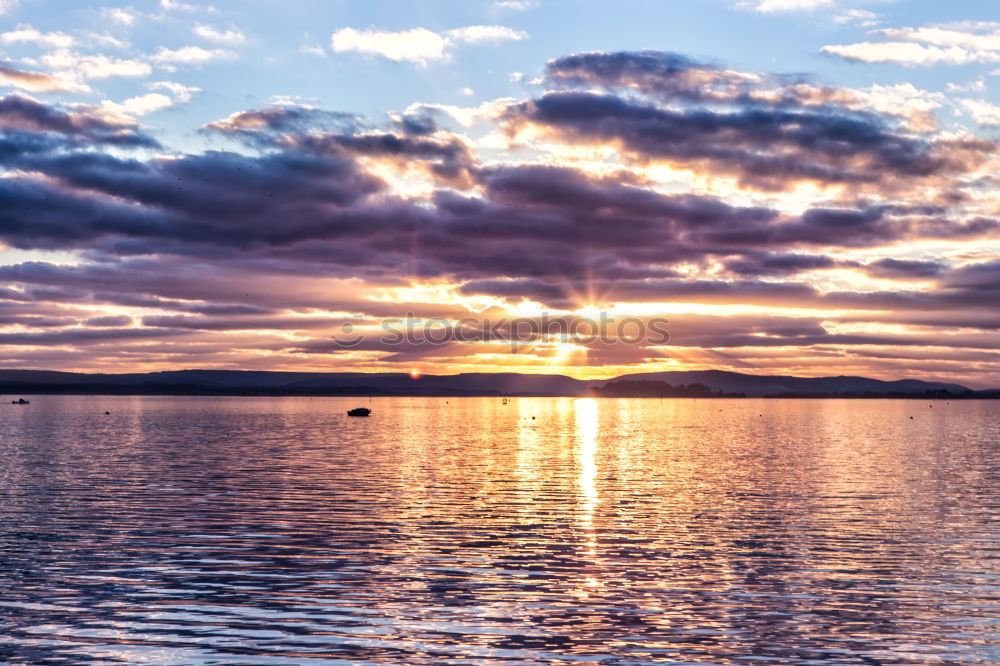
x: 586, y: 421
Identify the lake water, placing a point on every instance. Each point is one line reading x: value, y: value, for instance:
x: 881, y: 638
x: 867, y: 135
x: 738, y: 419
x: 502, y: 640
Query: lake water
x: 465, y: 531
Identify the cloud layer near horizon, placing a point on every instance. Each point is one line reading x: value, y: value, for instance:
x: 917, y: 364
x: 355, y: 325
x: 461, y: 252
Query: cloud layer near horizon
x: 780, y: 224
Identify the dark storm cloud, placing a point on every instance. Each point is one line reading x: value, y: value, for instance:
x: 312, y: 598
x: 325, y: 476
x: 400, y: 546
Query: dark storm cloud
x: 675, y: 78
x: 85, y: 336
x: 918, y: 356
x: 662, y: 74
x: 769, y: 129
x: 30, y: 321
x: 151, y: 283
x: 266, y: 127
x: 223, y: 309
x: 981, y: 279
x: 449, y: 159
x: 313, y: 131
x: 226, y: 201
x: 845, y: 227
x: 313, y: 215
x: 537, y: 290
x: 222, y: 323
x: 23, y: 119
x: 419, y: 121
x: 904, y: 268
x: 640, y: 291
x: 819, y: 226
x: 613, y: 199
x: 954, y: 319
x: 308, y: 206
x: 108, y: 322
x: 217, y: 197
x: 765, y: 147
x: 976, y: 287
x: 33, y: 214
x: 759, y: 265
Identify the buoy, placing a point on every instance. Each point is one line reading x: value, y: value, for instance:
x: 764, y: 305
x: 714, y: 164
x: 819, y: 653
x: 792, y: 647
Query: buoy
x: 107, y: 412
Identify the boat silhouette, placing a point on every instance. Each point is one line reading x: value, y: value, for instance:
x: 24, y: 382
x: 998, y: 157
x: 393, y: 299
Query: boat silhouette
x: 359, y: 411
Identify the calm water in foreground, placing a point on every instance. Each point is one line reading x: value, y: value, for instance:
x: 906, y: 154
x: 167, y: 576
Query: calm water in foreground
x: 464, y: 531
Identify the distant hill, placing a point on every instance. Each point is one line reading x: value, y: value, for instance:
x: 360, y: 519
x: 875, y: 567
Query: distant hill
x: 239, y: 382
x: 766, y: 385
x: 643, y: 388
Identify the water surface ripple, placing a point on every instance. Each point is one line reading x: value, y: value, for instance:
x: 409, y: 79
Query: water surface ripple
x: 465, y: 531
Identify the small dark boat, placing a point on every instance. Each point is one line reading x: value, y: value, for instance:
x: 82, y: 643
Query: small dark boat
x: 22, y: 401
x: 359, y: 411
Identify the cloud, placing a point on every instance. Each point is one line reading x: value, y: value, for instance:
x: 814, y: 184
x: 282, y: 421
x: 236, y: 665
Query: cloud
x: 178, y: 6
x: 190, y: 55
x: 313, y: 50
x: 775, y: 6
x: 182, y: 92
x: 25, y: 34
x: 521, y: 205
x: 515, y: 5
x: 108, y: 321
x: 231, y: 36
x: 32, y: 127
x: 908, y: 53
x: 418, y: 45
x: 268, y: 126
x: 672, y: 77
x: 248, y: 255
x: 485, y: 34
x: 984, y: 113
x: 37, y: 81
x: 770, y: 131
x: 104, y: 39
x: 770, y: 148
x: 71, y: 64
x: 905, y: 268
x: 656, y: 73
x: 7, y: 5
x: 119, y: 15
x: 916, y: 107
x: 140, y: 105
x: 950, y: 44
x: 976, y: 37
x: 767, y: 264
x: 862, y: 17
x: 978, y: 86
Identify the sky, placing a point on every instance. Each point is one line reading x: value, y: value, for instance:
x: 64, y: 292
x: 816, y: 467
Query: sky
x: 801, y: 187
